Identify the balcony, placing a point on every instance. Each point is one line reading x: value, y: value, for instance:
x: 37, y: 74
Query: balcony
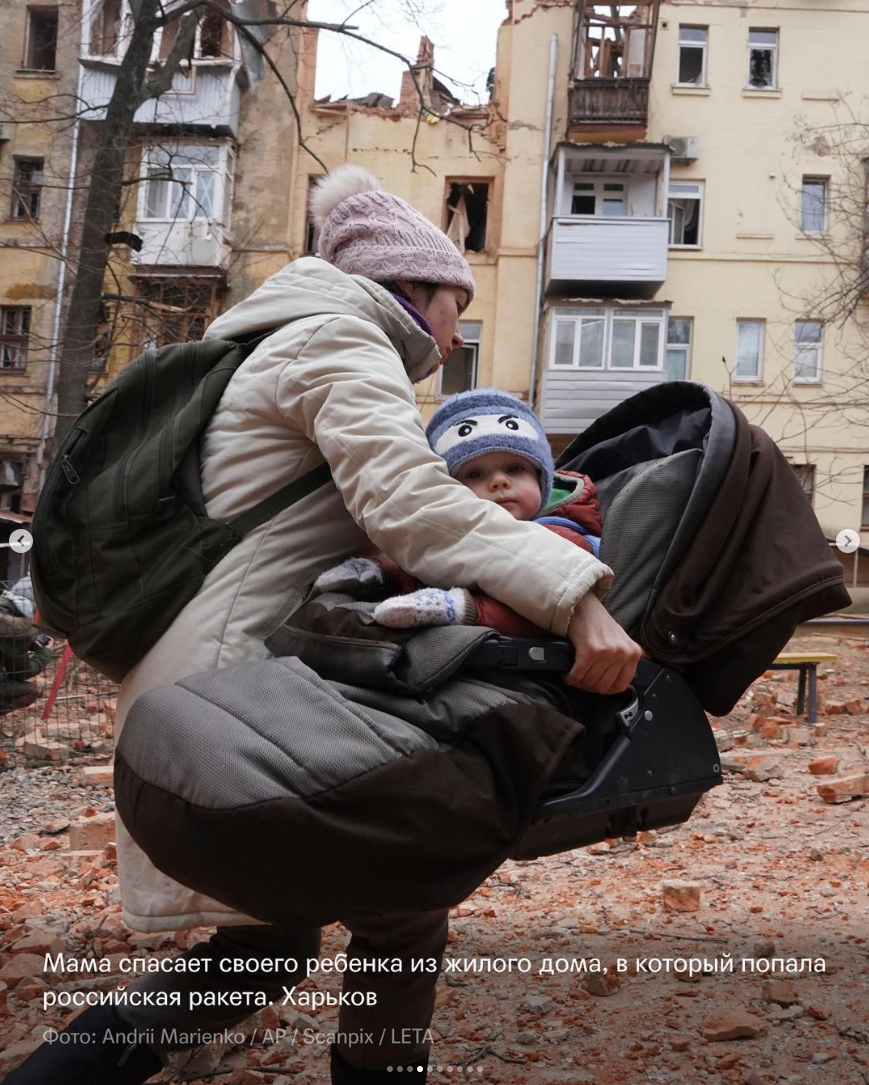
x: 204, y: 98
x: 200, y: 243
x: 601, y: 256
x: 611, y: 66
x: 603, y: 103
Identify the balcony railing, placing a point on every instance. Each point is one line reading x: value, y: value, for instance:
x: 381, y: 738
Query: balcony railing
x: 609, y: 101
x: 607, y: 254
x: 199, y: 243
x: 207, y: 97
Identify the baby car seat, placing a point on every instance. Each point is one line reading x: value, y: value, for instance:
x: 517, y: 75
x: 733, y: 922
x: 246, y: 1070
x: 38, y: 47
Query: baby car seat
x: 364, y: 769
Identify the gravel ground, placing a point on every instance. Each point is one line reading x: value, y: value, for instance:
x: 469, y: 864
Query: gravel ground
x: 775, y: 877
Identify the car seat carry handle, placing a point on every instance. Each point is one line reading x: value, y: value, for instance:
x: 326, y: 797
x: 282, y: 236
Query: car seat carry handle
x: 524, y: 654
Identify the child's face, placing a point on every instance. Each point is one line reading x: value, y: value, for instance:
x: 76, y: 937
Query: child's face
x: 509, y: 480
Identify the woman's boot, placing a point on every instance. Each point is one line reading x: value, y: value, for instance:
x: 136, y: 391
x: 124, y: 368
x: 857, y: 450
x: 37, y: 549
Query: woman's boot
x: 100, y: 1049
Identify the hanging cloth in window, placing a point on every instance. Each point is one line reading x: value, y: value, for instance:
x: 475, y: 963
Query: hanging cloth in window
x: 459, y: 226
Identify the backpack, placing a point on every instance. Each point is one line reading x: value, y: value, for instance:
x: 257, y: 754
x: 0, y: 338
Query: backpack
x: 121, y: 538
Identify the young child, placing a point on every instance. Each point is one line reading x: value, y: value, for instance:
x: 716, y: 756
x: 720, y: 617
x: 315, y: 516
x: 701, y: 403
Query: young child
x: 493, y: 444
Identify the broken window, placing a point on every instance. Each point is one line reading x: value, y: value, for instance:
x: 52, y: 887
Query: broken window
x: 615, y: 40
x: 807, y: 351
x: 40, y: 48
x: 14, y: 336
x: 175, y: 310
x: 467, y: 213
x: 678, y: 356
x: 805, y: 473
x: 684, y: 210
x: 106, y: 28
x: 692, y: 55
x: 813, y: 205
x: 459, y: 372
x: 598, y: 197
x: 213, y: 36
x: 27, y: 181
x: 182, y: 182
x: 762, y: 58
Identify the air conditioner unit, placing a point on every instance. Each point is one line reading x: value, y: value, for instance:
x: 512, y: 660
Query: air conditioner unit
x: 5, y: 131
x: 684, y: 148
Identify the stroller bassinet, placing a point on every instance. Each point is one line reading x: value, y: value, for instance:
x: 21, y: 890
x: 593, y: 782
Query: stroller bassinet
x: 397, y: 769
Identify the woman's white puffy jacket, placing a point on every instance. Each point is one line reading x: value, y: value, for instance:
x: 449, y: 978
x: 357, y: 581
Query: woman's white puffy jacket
x: 335, y: 383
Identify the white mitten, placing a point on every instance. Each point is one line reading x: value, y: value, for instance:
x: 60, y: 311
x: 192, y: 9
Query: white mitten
x: 360, y: 577
x: 428, y: 606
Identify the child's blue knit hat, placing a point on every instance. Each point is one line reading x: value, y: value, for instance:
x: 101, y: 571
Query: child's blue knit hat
x: 488, y: 420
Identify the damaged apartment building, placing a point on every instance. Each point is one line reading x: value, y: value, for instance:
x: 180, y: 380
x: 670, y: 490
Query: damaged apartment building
x: 640, y: 202
x: 648, y: 191
x: 197, y: 227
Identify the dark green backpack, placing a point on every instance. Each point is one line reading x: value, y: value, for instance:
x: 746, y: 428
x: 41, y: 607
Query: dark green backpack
x: 121, y: 539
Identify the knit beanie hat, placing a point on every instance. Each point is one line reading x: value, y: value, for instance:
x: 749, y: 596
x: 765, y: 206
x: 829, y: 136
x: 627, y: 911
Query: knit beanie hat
x: 488, y: 420
x: 366, y: 231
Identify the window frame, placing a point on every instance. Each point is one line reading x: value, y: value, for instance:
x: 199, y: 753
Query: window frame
x: 824, y: 182
x: 473, y: 341
x: 150, y: 291
x: 487, y: 233
x: 685, y: 348
x: 609, y: 314
x: 33, y: 9
x: 700, y: 199
x: 818, y: 350
x: 773, y: 49
x: 221, y: 195
x: 704, y: 48
x: 761, y: 345
x: 17, y: 340
x: 21, y: 190
x: 123, y: 30
x: 599, y: 182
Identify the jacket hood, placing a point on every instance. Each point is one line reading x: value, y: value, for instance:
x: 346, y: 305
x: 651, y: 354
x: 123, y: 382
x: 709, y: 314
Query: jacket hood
x: 310, y: 287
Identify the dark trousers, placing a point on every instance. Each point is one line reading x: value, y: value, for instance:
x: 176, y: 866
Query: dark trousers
x: 390, y: 1032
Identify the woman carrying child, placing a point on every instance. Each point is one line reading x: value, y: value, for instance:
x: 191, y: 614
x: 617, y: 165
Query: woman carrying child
x: 378, y: 311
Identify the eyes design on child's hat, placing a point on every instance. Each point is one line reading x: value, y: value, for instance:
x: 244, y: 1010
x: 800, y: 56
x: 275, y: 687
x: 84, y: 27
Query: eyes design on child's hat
x: 472, y: 427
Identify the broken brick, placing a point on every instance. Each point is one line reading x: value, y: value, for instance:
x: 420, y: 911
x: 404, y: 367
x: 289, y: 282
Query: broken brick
x: 92, y: 833
x: 679, y: 896
x: 824, y: 766
x: 845, y: 788
x: 732, y: 1025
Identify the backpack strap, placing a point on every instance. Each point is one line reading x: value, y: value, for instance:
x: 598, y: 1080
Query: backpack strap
x: 282, y: 499
x: 287, y: 495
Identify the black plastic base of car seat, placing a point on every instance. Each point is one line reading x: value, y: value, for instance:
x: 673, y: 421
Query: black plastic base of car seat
x: 652, y: 775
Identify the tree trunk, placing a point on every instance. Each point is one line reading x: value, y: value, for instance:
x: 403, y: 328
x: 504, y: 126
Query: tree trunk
x: 107, y: 171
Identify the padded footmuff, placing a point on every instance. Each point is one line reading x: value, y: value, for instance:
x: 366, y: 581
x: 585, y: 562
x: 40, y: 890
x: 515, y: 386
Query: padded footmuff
x: 296, y: 799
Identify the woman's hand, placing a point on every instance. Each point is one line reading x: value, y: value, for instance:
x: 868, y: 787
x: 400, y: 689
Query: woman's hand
x: 606, y: 657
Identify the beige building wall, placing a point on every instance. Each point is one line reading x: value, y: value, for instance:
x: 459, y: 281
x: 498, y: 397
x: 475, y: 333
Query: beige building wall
x: 30, y: 247
x: 755, y: 263
x: 386, y: 140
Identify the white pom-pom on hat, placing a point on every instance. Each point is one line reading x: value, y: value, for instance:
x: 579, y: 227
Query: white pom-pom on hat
x: 366, y: 231
x: 339, y: 185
